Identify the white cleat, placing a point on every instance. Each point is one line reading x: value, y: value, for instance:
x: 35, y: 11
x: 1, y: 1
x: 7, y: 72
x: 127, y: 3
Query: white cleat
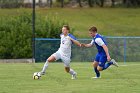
x: 74, y: 76
x: 114, y: 62
x: 96, y: 77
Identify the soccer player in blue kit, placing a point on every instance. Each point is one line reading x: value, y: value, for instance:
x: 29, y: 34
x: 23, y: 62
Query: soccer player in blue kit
x: 100, y: 62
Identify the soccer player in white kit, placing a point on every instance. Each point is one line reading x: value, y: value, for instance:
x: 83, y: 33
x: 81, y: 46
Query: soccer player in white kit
x: 64, y: 52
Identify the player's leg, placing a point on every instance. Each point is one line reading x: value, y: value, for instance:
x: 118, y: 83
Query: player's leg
x: 95, y: 65
x: 102, y: 64
x: 114, y: 62
x: 71, y: 71
x: 52, y: 58
x: 108, y: 64
x: 102, y: 61
x: 66, y: 61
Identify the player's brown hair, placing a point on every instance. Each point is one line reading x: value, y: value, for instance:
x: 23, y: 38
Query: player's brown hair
x: 67, y: 27
x: 93, y: 29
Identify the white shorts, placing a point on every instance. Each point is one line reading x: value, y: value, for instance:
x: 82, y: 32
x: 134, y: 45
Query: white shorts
x: 65, y: 59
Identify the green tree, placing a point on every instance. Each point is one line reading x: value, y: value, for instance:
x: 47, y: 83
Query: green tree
x: 50, y: 3
x: 90, y: 3
x: 11, y: 3
x: 113, y: 3
x: 131, y: 3
x: 80, y: 4
x: 102, y: 3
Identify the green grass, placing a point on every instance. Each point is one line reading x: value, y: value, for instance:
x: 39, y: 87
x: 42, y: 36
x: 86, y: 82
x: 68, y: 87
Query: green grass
x: 17, y: 78
x: 110, y: 21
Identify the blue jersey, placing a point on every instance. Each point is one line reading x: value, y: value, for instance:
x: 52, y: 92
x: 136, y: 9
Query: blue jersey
x: 73, y: 37
x: 98, y: 40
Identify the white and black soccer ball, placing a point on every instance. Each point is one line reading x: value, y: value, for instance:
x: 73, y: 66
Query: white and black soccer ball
x: 36, y: 76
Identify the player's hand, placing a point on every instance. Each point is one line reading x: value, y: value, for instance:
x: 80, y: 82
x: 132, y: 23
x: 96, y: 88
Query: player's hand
x: 108, y: 58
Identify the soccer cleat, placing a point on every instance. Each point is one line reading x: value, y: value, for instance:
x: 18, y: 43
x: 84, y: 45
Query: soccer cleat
x: 96, y: 77
x: 74, y: 76
x: 114, y: 62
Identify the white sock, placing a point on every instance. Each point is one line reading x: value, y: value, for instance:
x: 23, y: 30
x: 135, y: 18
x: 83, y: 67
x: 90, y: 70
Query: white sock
x: 45, y: 66
x: 72, y: 72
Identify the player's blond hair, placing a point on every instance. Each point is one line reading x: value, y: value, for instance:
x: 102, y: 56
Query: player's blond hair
x: 67, y: 27
x: 93, y: 29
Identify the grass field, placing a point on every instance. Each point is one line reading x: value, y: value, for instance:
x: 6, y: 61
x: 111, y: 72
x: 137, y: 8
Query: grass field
x: 110, y: 21
x: 17, y: 78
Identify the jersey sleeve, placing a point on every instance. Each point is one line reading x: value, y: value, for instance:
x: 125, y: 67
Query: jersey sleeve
x: 92, y: 42
x: 73, y: 37
x: 99, y: 41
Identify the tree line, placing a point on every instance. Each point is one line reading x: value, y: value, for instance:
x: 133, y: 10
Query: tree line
x: 101, y: 3
x: 69, y: 3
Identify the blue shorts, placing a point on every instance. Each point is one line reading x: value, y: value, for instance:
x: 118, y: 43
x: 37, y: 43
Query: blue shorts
x: 101, y: 58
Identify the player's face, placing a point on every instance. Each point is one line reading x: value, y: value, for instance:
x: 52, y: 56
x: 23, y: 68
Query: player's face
x: 65, y: 31
x: 92, y: 34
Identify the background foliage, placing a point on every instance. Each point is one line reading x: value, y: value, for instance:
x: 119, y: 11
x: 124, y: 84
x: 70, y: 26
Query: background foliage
x: 70, y: 3
x: 16, y: 34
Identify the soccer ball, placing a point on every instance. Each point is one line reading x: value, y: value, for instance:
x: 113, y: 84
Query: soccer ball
x: 36, y: 76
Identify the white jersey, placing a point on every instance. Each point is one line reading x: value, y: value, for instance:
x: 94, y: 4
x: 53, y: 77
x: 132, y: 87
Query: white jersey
x: 65, y: 46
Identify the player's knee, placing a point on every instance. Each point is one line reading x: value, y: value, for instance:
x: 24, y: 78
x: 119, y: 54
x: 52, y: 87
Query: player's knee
x: 95, y: 64
x: 51, y: 59
x: 99, y: 68
x: 67, y: 69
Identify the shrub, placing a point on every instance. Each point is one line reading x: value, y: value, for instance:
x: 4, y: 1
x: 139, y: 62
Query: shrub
x: 16, y: 33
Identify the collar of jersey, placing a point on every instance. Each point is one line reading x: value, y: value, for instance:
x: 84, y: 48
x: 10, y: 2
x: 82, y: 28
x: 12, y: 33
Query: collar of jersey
x: 95, y: 35
x: 67, y: 34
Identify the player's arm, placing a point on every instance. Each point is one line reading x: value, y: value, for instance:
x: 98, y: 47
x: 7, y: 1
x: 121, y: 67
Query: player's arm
x: 86, y: 45
x: 75, y: 41
x: 106, y: 51
x: 100, y: 42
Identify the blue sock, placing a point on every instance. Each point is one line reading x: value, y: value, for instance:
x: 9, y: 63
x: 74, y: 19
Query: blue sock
x: 107, y: 65
x: 97, y: 72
